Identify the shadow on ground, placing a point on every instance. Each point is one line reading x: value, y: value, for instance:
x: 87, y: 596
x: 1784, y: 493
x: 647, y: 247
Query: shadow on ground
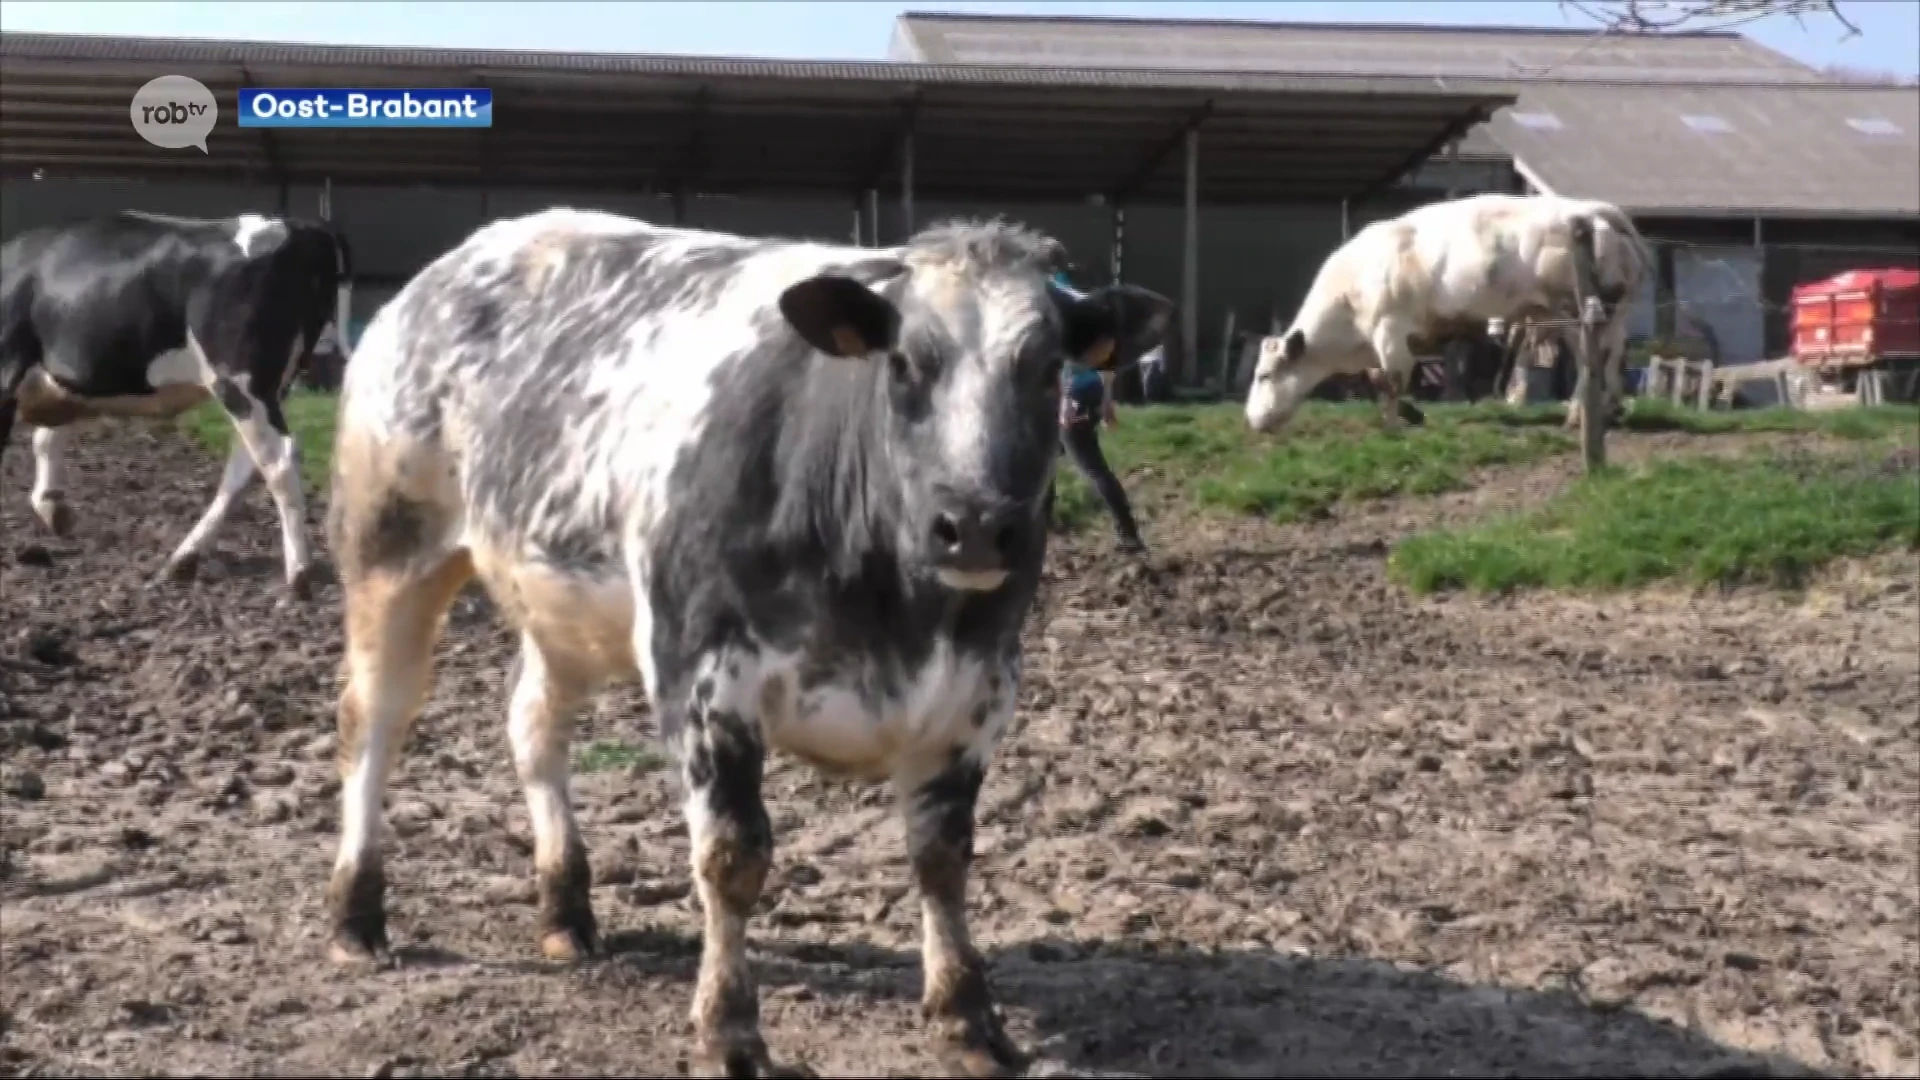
x: 1132, y: 1009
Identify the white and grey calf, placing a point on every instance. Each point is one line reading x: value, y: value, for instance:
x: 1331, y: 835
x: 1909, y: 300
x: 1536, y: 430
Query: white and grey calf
x: 1449, y: 268
x: 134, y: 314
x: 796, y: 490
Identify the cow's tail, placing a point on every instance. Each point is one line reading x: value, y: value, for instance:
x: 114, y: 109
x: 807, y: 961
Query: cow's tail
x: 1621, y: 260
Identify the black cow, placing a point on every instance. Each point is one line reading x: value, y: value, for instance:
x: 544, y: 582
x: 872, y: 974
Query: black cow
x: 797, y: 490
x: 135, y: 314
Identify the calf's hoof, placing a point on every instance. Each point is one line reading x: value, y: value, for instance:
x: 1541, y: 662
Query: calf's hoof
x: 568, y: 931
x: 743, y: 1056
x: 1412, y: 414
x: 976, y: 1047
x: 57, y: 516
x: 351, y: 948
x: 570, y: 945
x: 300, y: 584
x: 184, y: 568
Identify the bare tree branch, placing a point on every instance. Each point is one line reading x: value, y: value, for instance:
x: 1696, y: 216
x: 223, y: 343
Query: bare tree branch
x: 1657, y: 16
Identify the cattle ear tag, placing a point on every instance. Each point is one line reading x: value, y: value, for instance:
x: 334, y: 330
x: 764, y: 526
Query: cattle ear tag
x: 1269, y: 346
x: 849, y: 342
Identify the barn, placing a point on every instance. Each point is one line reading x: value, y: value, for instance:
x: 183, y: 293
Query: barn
x: 1110, y: 161
x: 1749, y: 170
x: 1401, y: 753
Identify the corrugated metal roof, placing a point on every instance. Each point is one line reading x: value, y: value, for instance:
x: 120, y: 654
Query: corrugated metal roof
x: 1789, y: 150
x: 736, y: 126
x: 1620, y: 101
x: 21, y: 46
x: 1347, y: 48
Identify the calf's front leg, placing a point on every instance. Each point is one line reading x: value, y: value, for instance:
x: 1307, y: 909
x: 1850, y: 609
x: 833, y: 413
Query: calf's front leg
x: 957, y: 1003
x: 722, y: 760
x: 262, y: 428
x: 1395, y: 410
x: 255, y: 409
x: 184, y: 563
x: 50, y: 480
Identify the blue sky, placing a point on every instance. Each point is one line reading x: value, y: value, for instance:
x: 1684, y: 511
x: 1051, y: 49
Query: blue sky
x: 1890, y: 39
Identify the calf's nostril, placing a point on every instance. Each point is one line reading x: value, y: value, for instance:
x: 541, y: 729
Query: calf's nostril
x: 946, y: 530
x: 1003, y: 540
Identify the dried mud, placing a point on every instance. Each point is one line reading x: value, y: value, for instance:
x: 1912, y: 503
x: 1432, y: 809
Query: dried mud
x: 1263, y: 815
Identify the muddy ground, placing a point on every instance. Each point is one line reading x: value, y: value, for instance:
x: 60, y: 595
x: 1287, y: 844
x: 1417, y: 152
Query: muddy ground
x: 1265, y: 815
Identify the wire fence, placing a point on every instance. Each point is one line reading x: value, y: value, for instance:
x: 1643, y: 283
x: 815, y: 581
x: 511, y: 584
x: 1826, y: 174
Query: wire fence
x: 1755, y: 283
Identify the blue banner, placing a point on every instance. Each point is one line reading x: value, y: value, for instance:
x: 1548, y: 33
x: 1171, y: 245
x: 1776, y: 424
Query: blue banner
x: 373, y: 107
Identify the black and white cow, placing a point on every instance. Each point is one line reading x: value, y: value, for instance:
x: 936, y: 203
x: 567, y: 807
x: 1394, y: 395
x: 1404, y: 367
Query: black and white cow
x: 135, y: 314
x: 798, y: 490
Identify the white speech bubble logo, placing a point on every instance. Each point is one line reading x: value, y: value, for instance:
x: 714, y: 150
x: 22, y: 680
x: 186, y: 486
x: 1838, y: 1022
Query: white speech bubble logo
x: 174, y: 112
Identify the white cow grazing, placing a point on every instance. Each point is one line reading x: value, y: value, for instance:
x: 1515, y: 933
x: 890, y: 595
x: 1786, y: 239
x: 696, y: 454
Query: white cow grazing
x: 1439, y: 269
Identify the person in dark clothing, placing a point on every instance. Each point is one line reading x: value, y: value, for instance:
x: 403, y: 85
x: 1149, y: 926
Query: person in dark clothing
x: 1086, y: 401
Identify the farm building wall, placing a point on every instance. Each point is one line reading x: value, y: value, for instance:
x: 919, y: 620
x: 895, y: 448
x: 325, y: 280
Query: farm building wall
x: 1257, y: 261
x: 1716, y: 274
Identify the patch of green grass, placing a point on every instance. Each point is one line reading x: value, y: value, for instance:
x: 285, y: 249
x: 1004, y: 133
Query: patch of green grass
x: 1859, y: 424
x: 607, y: 755
x: 1205, y: 455
x: 1762, y: 520
x: 309, y: 415
x: 1202, y: 456
x: 1653, y: 415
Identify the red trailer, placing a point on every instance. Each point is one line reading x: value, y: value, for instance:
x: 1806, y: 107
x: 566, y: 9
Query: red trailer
x: 1862, y: 321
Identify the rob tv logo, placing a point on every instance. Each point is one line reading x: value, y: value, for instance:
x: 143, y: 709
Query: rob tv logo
x: 174, y: 112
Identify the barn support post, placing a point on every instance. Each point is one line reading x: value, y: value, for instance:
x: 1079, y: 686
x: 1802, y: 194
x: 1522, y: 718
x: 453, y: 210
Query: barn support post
x: 1129, y: 387
x: 1346, y: 221
x: 678, y: 201
x: 1190, y: 263
x: 1666, y: 296
x: 859, y: 232
x: 873, y: 215
x: 906, y: 182
x: 1760, y: 297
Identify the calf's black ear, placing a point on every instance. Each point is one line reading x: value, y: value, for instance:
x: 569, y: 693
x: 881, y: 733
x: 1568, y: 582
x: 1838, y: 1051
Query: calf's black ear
x: 1114, y: 322
x: 840, y: 316
x: 1294, y: 346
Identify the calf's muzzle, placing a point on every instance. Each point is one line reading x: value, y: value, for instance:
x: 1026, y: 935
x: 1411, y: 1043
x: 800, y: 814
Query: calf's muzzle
x: 971, y: 544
